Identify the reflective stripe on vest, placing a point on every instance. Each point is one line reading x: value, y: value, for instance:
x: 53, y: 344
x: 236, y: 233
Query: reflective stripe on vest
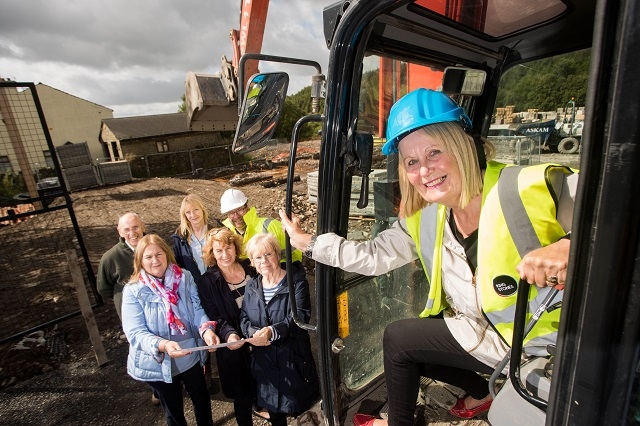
x: 419, y: 226
x: 518, y: 215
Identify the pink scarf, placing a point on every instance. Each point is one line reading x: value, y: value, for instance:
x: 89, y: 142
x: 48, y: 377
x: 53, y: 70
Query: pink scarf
x: 168, y: 293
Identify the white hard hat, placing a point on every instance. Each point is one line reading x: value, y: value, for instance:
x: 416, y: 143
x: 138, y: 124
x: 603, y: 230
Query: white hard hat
x: 231, y: 200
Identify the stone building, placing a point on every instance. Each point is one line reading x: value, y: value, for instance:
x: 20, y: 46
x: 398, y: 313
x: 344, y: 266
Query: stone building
x: 128, y: 137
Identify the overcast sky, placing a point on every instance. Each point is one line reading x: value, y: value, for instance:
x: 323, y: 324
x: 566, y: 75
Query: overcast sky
x: 133, y: 55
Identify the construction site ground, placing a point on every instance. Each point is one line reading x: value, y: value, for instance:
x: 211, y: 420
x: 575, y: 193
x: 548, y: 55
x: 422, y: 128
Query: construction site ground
x: 37, y: 388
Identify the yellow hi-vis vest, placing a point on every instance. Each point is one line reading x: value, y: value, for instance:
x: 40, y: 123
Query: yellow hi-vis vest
x: 258, y: 225
x: 504, y: 237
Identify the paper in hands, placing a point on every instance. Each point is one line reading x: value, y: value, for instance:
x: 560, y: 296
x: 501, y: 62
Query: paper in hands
x: 184, y: 351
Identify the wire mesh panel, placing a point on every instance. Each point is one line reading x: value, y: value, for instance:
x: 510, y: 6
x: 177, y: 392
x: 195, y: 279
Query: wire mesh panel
x: 520, y: 150
x: 37, y: 223
x: 176, y: 163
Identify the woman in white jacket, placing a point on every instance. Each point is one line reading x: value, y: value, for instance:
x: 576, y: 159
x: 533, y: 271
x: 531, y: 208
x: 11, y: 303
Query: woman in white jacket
x: 161, y: 315
x: 469, y: 221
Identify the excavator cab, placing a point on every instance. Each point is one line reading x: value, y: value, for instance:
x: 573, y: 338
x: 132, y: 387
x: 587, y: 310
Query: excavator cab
x: 381, y: 50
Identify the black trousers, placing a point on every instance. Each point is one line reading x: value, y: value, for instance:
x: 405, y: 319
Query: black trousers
x: 170, y: 395
x: 243, y: 410
x: 425, y: 347
x: 278, y: 419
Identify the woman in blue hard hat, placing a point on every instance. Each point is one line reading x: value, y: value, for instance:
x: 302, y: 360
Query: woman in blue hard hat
x: 478, y: 227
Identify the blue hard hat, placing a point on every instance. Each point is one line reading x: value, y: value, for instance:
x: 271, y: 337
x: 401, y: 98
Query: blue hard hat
x: 417, y: 109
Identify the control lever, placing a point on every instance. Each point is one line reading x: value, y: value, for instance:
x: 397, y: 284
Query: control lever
x: 363, y: 150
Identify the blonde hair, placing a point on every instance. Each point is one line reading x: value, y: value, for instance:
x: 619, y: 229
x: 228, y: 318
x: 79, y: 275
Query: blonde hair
x: 185, y: 229
x: 146, y: 241
x: 223, y: 236
x: 260, y: 242
x: 457, y: 143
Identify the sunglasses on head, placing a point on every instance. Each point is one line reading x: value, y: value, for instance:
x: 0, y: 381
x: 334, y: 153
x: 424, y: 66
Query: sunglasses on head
x: 214, y: 231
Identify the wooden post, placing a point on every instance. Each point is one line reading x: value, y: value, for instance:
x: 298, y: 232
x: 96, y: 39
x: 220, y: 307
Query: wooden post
x: 85, y: 307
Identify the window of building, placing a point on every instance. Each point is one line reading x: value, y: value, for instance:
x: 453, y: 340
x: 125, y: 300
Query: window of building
x: 5, y: 165
x: 163, y: 146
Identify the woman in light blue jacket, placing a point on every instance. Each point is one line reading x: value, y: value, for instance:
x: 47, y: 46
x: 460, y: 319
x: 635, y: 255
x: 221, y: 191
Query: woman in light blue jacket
x: 161, y: 315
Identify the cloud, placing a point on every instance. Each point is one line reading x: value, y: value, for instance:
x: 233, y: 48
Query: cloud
x: 133, y: 56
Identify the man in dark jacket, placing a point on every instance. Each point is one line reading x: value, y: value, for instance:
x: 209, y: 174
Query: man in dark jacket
x: 116, y: 265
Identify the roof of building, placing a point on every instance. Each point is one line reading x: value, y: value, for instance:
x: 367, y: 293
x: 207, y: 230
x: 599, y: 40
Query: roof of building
x: 69, y: 94
x: 147, y: 125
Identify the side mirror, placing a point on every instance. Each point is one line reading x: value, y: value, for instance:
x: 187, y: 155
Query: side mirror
x: 260, y: 112
x: 463, y: 81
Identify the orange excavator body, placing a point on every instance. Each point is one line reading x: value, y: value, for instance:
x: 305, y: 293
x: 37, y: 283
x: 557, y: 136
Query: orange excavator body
x: 212, y: 99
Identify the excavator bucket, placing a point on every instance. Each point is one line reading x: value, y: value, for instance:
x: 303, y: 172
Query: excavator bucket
x: 211, y: 103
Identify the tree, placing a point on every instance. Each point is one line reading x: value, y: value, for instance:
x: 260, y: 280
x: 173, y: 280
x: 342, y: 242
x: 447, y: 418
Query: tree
x: 290, y: 115
x: 546, y: 84
x: 183, y: 106
x: 295, y: 107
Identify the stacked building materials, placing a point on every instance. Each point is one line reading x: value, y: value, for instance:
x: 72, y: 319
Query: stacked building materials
x: 115, y: 172
x: 77, y: 167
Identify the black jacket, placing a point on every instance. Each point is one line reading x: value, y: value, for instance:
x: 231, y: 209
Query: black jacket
x: 184, y: 255
x: 220, y: 305
x: 284, y: 371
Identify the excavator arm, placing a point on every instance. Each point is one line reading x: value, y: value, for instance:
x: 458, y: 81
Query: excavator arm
x: 212, y: 99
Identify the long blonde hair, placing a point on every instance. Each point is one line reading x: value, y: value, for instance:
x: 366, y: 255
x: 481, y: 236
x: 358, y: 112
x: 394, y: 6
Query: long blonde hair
x: 185, y: 230
x: 223, y: 236
x: 461, y: 147
x: 146, y: 241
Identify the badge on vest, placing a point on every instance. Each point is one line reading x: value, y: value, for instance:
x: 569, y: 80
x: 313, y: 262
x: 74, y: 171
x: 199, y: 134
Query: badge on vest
x: 505, y: 285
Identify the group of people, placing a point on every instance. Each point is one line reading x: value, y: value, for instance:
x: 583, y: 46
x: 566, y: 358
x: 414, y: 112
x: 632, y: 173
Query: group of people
x: 479, y: 228
x: 219, y: 283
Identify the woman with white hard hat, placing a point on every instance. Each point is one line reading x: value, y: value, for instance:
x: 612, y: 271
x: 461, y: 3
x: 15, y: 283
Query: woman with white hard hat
x: 478, y: 227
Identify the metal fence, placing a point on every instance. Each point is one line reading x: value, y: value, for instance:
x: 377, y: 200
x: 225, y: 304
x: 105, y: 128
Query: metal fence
x: 38, y: 227
x: 520, y: 150
x: 195, y: 162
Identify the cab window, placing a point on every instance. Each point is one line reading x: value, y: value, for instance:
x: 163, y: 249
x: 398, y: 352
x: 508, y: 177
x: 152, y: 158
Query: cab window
x: 367, y: 304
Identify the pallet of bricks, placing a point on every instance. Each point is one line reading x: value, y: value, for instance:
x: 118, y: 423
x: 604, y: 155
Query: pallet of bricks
x: 504, y: 115
x: 77, y: 168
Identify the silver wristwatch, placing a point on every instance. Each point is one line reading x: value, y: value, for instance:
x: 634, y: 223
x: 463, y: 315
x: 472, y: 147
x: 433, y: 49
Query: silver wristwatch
x: 309, y: 250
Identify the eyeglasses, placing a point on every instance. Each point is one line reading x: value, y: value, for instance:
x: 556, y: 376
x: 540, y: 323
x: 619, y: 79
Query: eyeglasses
x: 265, y: 257
x: 238, y: 212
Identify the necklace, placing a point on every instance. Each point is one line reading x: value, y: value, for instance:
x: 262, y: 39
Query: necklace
x: 237, y: 295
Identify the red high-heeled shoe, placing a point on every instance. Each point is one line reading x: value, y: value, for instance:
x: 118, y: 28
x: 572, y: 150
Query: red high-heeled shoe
x: 363, y: 420
x: 459, y: 409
